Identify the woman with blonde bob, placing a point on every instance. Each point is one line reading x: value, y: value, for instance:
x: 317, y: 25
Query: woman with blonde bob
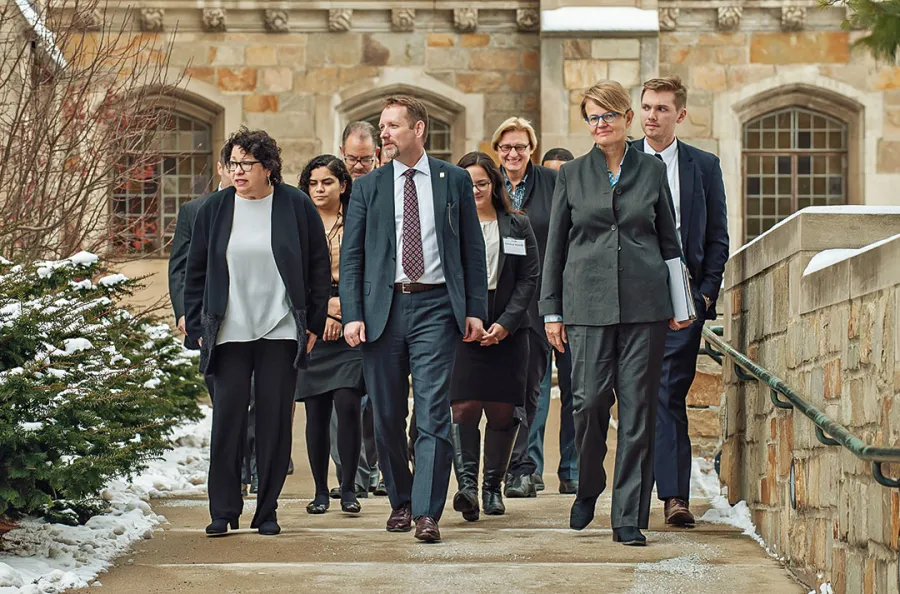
x: 605, y: 291
x: 530, y: 189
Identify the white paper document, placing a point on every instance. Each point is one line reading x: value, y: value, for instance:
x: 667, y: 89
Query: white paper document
x: 680, y: 290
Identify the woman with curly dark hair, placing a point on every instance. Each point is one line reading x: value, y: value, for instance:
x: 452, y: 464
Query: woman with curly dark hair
x: 489, y: 376
x: 256, y: 299
x: 335, y: 375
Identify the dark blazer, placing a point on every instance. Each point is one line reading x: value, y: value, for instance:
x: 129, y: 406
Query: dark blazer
x: 181, y: 243
x: 369, y: 248
x: 606, y: 252
x: 517, y: 277
x: 704, y: 221
x: 539, y: 185
x: 301, y: 255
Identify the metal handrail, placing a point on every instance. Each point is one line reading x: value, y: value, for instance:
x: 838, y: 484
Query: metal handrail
x: 828, y: 431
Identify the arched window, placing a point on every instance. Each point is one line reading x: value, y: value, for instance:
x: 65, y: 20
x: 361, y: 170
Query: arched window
x: 793, y: 157
x: 145, y: 209
x: 439, y: 142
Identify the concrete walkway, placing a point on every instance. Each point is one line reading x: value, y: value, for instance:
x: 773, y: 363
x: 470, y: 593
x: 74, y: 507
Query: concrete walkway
x: 530, y: 549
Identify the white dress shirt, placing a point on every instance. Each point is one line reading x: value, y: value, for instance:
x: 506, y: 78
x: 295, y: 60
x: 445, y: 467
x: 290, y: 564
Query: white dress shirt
x: 491, y: 232
x: 434, y: 271
x: 670, y: 158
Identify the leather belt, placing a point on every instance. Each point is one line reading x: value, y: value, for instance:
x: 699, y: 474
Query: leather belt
x: 415, y: 287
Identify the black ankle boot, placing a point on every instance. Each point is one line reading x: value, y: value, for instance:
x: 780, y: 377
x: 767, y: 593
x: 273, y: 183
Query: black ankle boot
x: 498, y: 446
x: 630, y: 536
x: 466, y: 453
x: 582, y: 512
x: 220, y: 527
x: 270, y: 527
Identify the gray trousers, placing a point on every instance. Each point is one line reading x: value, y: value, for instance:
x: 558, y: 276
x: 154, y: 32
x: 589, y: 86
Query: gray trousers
x: 367, y: 472
x: 622, y: 361
x: 420, y: 339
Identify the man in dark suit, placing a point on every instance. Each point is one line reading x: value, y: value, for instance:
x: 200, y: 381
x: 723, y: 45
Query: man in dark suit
x: 413, y: 283
x: 181, y: 244
x: 698, y: 194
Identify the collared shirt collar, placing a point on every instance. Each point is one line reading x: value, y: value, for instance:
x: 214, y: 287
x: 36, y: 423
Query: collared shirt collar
x: 421, y: 166
x: 517, y: 194
x: 667, y: 153
x: 614, y: 179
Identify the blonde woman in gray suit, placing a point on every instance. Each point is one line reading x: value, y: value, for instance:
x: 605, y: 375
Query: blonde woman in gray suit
x: 605, y: 289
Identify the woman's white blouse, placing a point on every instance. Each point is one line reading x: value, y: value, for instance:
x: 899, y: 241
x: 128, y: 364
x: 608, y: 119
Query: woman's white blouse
x: 491, y: 232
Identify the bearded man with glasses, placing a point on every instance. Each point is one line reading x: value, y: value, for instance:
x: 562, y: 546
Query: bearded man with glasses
x: 359, y: 148
x: 530, y: 189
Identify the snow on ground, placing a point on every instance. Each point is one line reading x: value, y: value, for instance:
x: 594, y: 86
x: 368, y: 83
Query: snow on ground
x: 42, y: 558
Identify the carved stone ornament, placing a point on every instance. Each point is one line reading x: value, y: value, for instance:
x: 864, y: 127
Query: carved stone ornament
x: 403, y: 19
x: 276, y: 21
x: 152, y: 19
x: 668, y: 19
x: 214, y: 19
x: 528, y: 19
x: 91, y: 20
x: 340, y: 19
x: 729, y: 17
x: 793, y: 18
x: 465, y: 20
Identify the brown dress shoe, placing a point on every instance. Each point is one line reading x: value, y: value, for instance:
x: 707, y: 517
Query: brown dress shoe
x: 400, y: 520
x: 678, y: 513
x: 427, y: 529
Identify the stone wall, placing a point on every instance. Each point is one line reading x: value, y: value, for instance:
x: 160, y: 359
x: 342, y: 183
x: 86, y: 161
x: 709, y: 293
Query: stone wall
x: 834, y: 336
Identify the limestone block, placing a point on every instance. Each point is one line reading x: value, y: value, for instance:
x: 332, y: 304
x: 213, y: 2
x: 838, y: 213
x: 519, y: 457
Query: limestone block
x: 581, y: 74
x: 479, y: 82
x: 475, y: 40
x: 236, y: 79
x: 288, y: 125
x: 260, y: 55
x: 732, y: 55
x: 627, y: 72
x: 317, y: 80
x: 447, y: 59
x: 531, y: 61
x: 616, y: 49
x: 495, y: 59
x: 260, y: 103
x: 895, y: 521
x: 205, y: 74
x: 809, y: 47
x: 438, y: 39
x: 295, y: 154
x: 739, y: 76
x: 704, y: 422
x: 328, y: 49
x: 888, y: 156
x: 706, y: 389
x: 390, y: 49
x: 709, y: 78
x: 577, y: 49
x: 276, y: 80
x: 885, y: 79
x: 292, y: 55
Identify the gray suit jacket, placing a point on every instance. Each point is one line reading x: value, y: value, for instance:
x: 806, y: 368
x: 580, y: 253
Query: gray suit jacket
x: 369, y: 247
x: 605, y: 260
x: 181, y: 245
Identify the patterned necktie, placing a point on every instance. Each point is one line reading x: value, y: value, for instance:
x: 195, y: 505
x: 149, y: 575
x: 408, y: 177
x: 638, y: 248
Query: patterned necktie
x: 413, y: 258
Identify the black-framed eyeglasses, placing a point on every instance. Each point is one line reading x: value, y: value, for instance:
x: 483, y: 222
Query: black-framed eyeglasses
x: 609, y: 117
x: 519, y: 148
x: 364, y: 161
x: 245, y: 166
x: 482, y: 185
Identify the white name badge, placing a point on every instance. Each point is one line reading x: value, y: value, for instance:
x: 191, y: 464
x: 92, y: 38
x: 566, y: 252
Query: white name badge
x: 513, y: 246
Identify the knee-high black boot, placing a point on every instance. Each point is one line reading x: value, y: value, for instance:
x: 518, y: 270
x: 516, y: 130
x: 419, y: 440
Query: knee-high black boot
x: 498, y: 446
x: 466, y: 453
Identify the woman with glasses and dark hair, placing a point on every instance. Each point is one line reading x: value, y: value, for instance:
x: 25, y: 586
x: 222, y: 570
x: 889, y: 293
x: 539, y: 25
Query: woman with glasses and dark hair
x: 488, y: 376
x: 256, y: 299
x: 334, y: 377
x: 530, y: 188
x: 605, y: 291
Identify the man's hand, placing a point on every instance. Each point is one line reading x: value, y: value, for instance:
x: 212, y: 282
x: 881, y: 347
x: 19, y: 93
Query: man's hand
x: 556, y: 335
x: 355, y: 333
x: 676, y: 325
x: 334, y: 307
x: 310, y: 341
x: 181, y: 325
x: 332, y: 330
x: 494, y: 335
x: 474, y: 330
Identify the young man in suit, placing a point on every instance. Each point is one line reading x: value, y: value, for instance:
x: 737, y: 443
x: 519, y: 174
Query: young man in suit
x: 413, y: 283
x: 698, y: 194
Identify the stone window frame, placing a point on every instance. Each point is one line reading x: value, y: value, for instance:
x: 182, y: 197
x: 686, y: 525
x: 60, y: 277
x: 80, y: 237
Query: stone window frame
x: 205, y: 111
x: 824, y: 101
x: 363, y: 106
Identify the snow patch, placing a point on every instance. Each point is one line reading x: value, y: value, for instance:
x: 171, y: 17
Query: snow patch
x: 42, y: 558
x: 83, y: 259
x: 112, y: 279
x: 737, y: 516
x: 828, y: 258
x: 75, y: 345
x: 704, y: 480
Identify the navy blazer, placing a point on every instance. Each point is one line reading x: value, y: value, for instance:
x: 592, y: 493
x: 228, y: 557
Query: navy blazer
x: 369, y: 247
x: 704, y: 221
x: 181, y: 243
x: 517, y: 275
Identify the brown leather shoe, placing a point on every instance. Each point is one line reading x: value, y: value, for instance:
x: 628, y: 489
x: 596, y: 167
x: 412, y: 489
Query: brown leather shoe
x: 400, y: 520
x: 678, y: 513
x: 427, y: 529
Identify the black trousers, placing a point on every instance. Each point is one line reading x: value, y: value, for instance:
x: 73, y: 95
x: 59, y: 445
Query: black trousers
x: 272, y: 362
x: 521, y: 464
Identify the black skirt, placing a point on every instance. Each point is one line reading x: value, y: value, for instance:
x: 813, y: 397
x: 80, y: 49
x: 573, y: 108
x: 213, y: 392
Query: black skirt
x: 333, y: 364
x: 492, y: 374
